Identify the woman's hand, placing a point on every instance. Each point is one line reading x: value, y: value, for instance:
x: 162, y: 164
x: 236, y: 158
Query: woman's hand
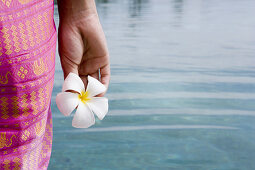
x: 82, y: 45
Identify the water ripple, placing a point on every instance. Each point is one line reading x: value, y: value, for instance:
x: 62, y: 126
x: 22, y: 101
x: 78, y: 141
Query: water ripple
x: 149, y: 127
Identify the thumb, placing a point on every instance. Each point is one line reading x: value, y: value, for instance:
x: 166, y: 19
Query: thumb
x: 68, y: 66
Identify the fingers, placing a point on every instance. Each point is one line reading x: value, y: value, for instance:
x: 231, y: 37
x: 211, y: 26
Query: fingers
x: 95, y: 75
x: 91, y: 64
x: 105, y: 77
x: 84, y: 78
x: 68, y: 66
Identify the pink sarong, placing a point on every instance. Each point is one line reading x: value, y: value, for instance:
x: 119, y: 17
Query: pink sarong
x: 27, y: 65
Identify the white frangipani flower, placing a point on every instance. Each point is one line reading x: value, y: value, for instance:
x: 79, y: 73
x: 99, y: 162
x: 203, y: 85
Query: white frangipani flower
x: 84, y: 100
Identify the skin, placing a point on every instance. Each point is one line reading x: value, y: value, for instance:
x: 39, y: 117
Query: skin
x: 82, y: 44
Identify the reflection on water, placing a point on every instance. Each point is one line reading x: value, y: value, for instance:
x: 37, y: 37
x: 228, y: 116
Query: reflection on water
x: 135, y: 7
x: 182, y: 90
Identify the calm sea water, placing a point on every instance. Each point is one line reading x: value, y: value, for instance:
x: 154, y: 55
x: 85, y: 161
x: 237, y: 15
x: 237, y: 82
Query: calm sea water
x: 182, y: 92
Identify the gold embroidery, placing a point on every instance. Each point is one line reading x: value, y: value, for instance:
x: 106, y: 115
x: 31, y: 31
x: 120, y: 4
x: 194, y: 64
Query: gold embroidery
x: 30, y: 34
x: 15, y: 106
x: 34, y: 103
x: 41, y: 26
x: 0, y: 51
x: 36, y: 30
x: 40, y: 128
x: 47, y: 91
x: 41, y: 98
x: 15, y: 38
x: 43, y: 155
x: 24, y: 105
x: 4, y: 142
x: 24, y: 1
x: 23, y: 36
x: 39, y: 69
x: 25, y: 135
x: 4, y: 108
x: 10, y: 16
x: 16, y: 164
x: 7, y: 41
x: 24, y: 148
x: 52, y: 56
x: 22, y: 72
x: 7, y: 2
x: 4, y: 79
x: 6, y: 164
x: 32, y: 84
x: 47, y: 21
x: 32, y: 158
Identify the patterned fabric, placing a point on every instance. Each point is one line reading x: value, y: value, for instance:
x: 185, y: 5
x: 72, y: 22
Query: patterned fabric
x: 27, y: 65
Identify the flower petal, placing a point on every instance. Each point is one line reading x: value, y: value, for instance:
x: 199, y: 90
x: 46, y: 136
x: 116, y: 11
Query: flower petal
x: 67, y: 102
x: 94, y: 87
x: 73, y: 82
x: 99, y: 106
x: 83, y: 117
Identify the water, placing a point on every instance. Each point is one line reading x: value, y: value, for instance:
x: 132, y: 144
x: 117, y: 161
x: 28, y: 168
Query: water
x: 182, y: 92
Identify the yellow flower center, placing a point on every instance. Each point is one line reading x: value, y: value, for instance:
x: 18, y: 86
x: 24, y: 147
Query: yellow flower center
x: 84, y: 96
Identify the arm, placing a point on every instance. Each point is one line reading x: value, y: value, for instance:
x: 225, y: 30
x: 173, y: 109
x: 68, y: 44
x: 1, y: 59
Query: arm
x: 82, y: 44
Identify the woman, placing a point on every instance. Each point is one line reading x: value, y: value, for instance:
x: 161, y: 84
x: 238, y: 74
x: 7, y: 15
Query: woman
x: 27, y: 58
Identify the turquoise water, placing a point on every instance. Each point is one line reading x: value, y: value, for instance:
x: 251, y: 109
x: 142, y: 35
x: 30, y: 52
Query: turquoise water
x: 182, y: 92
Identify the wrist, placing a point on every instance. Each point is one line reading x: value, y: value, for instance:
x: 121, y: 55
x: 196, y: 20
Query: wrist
x: 72, y: 10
